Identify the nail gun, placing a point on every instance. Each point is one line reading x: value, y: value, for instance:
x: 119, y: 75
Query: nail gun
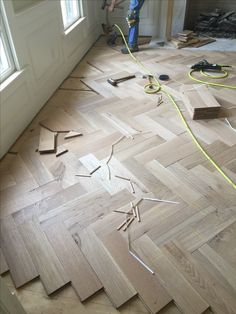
x: 205, y: 65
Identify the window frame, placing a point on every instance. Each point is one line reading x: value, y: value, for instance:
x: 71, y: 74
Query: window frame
x: 7, y: 48
x: 64, y: 13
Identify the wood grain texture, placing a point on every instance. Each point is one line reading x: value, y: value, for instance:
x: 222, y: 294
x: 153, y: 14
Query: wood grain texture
x: 189, y: 301
x: 148, y: 286
x: 200, y: 103
x: 21, y: 266
x: 3, y: 264
x: 157, y: 154
x: 51, y: 272
x: 9, y: 302
x: 47, y: 141
x: 82, y: 276
x: 115, y: 283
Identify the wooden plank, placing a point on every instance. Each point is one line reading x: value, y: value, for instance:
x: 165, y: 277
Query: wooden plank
x: 3, y: 263
x: 9, y: 304
x: 47, y: 142
x: 83, y: 278
x: 17, y: 256
x: 60, y: 121
x: 189, y: 301
x: 115, y: 283
x: 51, y: 272
x: 148, y: 287
x: 200, y: 103
x: 222, y: 266
x: 215, y: 294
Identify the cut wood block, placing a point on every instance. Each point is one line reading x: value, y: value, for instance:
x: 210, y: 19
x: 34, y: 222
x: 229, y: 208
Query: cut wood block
x: 72, y: 134
x: 17, y: 256
x: 186, y: 33
x: 200, y: 103
x: 83, y: 278
x: 51, y: 272
x: 47, y: 141
x: 116, y: 284
x: 147, y: 285
x: 188, y: 300
x: 3, y: 264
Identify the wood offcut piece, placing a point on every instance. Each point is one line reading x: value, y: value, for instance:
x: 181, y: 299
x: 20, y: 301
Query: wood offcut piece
x: 51, y: 272
x: 47, y: 141
x: 199, y: 101
x: 18, y: 259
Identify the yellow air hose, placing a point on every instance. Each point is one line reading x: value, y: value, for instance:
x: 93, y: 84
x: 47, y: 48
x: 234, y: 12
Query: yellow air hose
x: 155, y: 86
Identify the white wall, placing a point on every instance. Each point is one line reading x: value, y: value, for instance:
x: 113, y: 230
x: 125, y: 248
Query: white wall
x: 46, y: 56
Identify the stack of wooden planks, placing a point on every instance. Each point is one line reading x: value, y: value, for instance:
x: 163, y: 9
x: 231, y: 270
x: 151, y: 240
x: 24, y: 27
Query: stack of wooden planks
x: 184, y: 39
x: 189, y: 38
x: 200, y: 103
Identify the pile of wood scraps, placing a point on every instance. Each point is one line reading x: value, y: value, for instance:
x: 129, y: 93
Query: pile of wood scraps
x: 188, y: 38
x: 134, y: 212
x: 48, y: 142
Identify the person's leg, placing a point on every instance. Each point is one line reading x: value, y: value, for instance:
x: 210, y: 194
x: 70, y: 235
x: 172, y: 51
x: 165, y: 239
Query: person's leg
x: 133, y: 21
x: 135, y: 7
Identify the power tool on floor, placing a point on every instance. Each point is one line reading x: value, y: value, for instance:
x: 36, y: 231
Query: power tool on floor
x: 205, y: 65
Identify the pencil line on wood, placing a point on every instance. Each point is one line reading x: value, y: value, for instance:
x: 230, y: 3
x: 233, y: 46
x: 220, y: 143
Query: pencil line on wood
x: 94, y: 170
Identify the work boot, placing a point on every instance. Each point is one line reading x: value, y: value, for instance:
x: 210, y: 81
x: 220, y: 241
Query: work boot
x: 132, y: 49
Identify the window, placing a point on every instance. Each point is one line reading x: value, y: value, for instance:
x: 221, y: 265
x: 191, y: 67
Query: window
x: 7, y: 65
x: 71, y: 12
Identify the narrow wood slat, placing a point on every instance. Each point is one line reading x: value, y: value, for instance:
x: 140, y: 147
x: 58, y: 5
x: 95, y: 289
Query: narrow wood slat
x: 46, y: 141
x: 147, y: 285
x: 3, y: 264
x: 115, y: 283
x: 51, y: 272
x: 17, y: 256
x: 188, y: 300
x: 83, y: 278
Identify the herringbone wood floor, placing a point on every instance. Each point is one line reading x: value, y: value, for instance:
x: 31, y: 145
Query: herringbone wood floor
x: 63, y: 227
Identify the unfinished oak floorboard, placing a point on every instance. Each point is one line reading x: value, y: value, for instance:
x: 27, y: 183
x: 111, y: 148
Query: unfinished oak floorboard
x: 217, y: 296
x: 149, y: 289
x: 115, y: 283
x: 3, y: 264
x: 51, y: 272
x: 189, y: 301
x: 82, y: 276
x: 47, y: 141
x: 17, y: 256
